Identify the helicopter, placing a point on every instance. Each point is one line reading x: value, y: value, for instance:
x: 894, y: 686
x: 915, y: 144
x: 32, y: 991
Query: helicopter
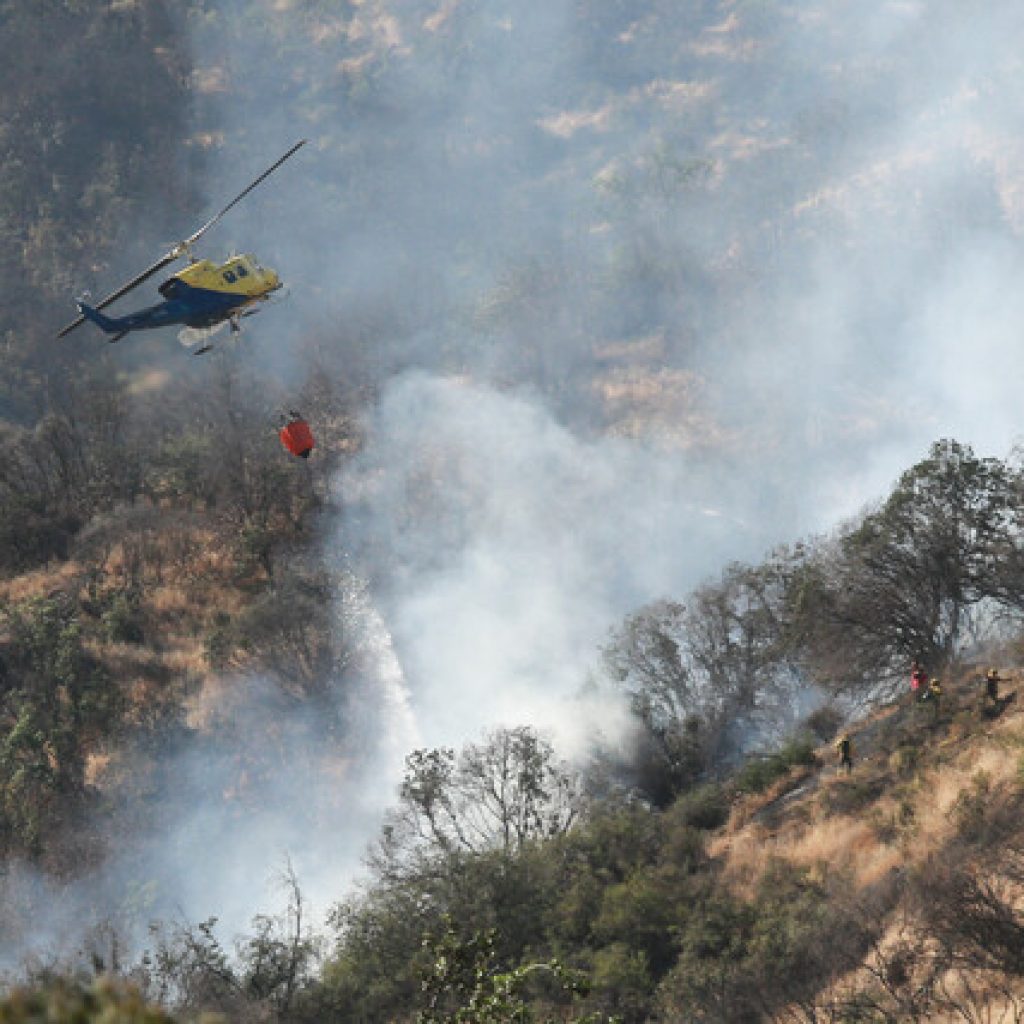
x: 202, y: 297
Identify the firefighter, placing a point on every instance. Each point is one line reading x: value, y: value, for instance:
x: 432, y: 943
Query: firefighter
x: 992, y: 681
x: 935, y: 696
x: 918, y: 678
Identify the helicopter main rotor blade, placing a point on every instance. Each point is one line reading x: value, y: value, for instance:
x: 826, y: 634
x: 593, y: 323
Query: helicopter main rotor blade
x: 241, y: 195
x: 123, y: 290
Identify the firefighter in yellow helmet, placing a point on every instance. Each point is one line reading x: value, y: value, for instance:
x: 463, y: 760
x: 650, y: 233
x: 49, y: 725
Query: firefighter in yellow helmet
x: 935, y: 696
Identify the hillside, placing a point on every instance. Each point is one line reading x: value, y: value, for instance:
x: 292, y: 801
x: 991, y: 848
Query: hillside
x: 894, y: 812
x: 888, y: 894
x: 922, y: 844
x: 662, y: 358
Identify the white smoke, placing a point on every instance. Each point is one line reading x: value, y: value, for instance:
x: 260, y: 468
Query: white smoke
x: 627, y: 369
x: 511, y: 546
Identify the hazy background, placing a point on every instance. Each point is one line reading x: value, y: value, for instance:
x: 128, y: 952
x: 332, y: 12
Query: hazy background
x: 638, y: 289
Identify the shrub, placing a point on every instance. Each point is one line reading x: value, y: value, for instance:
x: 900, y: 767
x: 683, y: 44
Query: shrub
x: 905, y: 759
x: 704, y: 807
x: 897, y: 824
x: 824, y: 723
x: 220, y: 641
x: 30, y: 535
x: 622, y: 981
x: 760, y: 772
x: 970, y: 810
x: 63, y: 1001
x: 58, y: 704
x: 184, y: 468
x: 853, y: 795
x: 122, y: 621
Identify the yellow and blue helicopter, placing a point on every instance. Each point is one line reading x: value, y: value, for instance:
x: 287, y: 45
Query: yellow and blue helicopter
x: 204, y: 295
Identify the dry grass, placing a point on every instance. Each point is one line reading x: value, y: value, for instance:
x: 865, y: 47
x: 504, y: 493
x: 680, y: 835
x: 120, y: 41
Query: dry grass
x: 941, y: 787
x: 96, y: 764
x: 186, y: 658
x: 39, y: 582
x: 173, y: 602
x: 187, y: 575
x: 668, y: 406
x: 189, y: 604
x: 746, y: 808
x: 891, y: 814
x: 844, y: 844
x: 742, y: 856
x: 849, y: 845
x: 649, y: 349
x: 803, y: 832
x: 149, y: 382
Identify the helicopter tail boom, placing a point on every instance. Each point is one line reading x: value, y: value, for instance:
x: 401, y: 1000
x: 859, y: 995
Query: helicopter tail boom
x: 106, y: 323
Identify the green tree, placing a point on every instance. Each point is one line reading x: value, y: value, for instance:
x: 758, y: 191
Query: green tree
x: 278, y: 959
x: 462, y: 983
x: 741, y: 637
x: 55, y: 704
x: 742, y: 961
x: 681, y: 718
x: 701, y: 676
x: 915, y: 578
x: 497, y: 795
x: 190, y: 969
x: 372, y: 973
x: 467, y: 839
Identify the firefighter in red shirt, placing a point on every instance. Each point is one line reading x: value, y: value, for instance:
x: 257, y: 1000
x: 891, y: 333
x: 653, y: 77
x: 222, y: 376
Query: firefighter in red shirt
x: 918, y: 679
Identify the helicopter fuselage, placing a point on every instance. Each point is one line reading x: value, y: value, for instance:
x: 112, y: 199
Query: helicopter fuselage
x: 201, y: 295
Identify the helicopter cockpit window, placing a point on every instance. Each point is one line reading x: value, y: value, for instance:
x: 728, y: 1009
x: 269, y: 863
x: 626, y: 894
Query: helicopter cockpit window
x: 229, y: 277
